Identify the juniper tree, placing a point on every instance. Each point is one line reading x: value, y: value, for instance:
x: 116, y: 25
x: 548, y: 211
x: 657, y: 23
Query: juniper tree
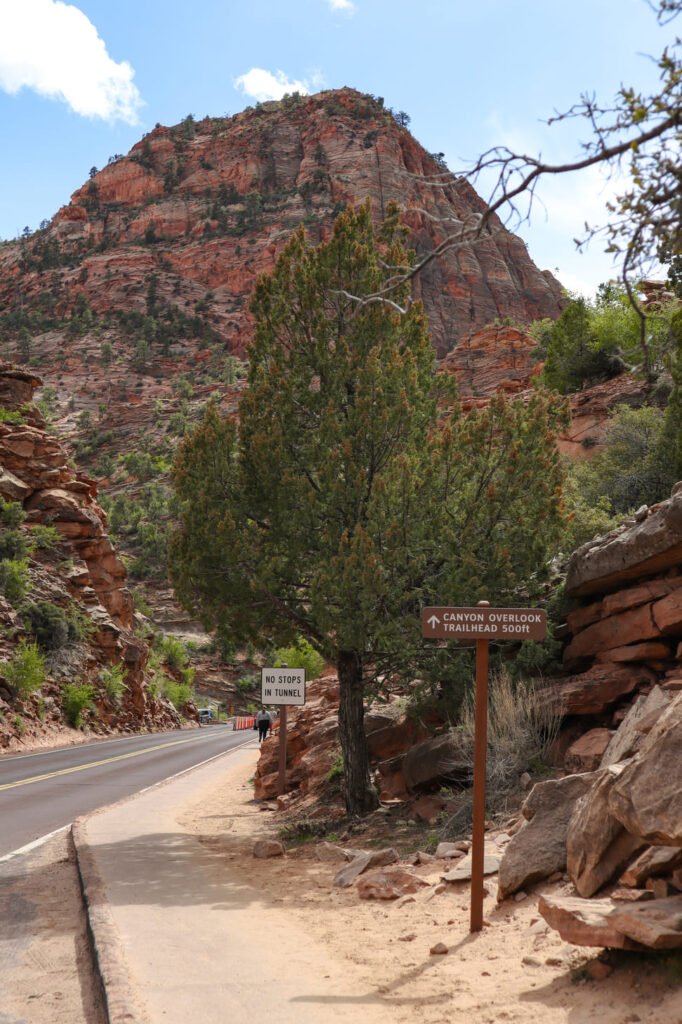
x: 354, y: 490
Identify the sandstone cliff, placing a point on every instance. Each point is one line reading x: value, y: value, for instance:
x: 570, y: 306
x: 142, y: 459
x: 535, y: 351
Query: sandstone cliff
x: 61, y: 582
x: 204, y: 207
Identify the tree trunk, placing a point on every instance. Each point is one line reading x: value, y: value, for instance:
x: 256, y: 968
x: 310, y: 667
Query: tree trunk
x: 358, y: 792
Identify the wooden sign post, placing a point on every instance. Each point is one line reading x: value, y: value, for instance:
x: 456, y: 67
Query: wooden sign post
x: 482, y: 624
x: 283, y: 686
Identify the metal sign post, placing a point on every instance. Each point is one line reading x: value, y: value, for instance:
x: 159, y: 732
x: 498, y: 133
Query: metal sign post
x: 482, y: 624
x: 282, y: 765
x: 283, y: 686
x: 480, y: 756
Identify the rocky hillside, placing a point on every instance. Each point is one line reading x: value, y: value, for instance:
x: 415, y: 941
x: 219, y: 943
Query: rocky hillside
x: 197, y: 211
x: 69, y: 656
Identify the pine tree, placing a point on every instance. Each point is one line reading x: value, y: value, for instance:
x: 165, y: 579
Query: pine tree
x: 354, y: 491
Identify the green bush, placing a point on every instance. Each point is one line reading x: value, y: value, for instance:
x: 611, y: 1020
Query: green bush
x: 633, y: 468
x: 174, y: 652
x: 25, y: 671
x: 11, y: 514
x: 14, y: 580
x: 179, y: 694
x: 76, y: 698
x: 54, y: 627
x: 112, y: 682
x: 301, y: 655
x: 46, y: 538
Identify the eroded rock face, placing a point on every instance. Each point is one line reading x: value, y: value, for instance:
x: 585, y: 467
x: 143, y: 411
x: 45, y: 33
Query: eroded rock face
x: 538, y: 849
x: 643, y: 549
x: 647, y: 797
x: 208, y: 207
x: 85, y: 575
x: 598, y: 846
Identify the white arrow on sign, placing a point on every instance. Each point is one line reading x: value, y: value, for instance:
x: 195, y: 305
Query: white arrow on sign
x: 433, y: 622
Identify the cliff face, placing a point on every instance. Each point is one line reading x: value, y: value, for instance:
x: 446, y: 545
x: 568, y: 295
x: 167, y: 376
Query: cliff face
x: 197, y: 211
x: 73, y: 599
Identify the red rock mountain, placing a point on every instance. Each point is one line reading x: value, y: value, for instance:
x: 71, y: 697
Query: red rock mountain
x: 186, y: 221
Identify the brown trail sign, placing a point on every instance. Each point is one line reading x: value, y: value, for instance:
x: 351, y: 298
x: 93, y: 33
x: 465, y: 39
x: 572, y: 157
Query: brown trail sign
x: 482, y: 624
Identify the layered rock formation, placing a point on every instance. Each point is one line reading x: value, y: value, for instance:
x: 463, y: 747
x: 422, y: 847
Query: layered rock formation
x: 204, y: 207
x: 80, y: 573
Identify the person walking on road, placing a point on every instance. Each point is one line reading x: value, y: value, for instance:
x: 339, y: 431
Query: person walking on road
x: 264, y: 723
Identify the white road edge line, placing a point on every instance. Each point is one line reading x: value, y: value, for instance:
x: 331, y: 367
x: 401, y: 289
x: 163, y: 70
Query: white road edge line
x: 169, y: 778
x: 34, y: 845
x: 11, y: 758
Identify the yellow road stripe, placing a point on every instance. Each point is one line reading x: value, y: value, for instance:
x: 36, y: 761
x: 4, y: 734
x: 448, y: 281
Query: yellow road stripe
x: 92, y: 764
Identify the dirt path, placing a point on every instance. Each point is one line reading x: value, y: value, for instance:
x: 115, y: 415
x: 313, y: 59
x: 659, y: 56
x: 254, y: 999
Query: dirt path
x: 45, y: 973
x: 516, y: 970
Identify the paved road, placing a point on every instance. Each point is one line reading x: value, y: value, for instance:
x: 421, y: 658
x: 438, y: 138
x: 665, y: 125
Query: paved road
x: 45, y: 791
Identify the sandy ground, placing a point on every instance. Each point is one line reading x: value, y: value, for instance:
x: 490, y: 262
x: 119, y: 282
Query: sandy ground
x: 45, y: 972
x: 515, y: 970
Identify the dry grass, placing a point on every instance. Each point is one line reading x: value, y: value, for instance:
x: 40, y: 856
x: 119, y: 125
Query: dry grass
x: 522, y: 725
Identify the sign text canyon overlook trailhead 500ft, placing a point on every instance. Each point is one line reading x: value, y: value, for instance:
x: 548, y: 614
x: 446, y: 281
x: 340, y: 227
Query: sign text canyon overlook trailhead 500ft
x: 484, y: 623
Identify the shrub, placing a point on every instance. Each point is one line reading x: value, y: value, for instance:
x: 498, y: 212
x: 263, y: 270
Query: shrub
x: 14, y: 580
x: 11, y: 514
x: 46, y: 538
x: 174, y: 652
x: 521, y: 727
x: 111, y: 679
x: 25, y: 671
x: 336, y: 770
x: 179, y: 694
x: 76, y: 698
x: 301, y: 655
x: 19, y: 725
x: 247, y: 683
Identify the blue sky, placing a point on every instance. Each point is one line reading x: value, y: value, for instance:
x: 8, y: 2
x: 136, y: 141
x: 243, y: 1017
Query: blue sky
x: 81, y: 81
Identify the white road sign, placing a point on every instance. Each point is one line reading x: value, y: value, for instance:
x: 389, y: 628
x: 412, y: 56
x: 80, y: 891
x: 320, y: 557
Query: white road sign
x: 283, y: 686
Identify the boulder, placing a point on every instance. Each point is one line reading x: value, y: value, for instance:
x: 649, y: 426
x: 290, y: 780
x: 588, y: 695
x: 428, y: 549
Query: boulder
x: 389, y: 884
x: 538, y: 849
x: 645, y: 548
x: 585, y: 755
x: 363, y: 861
x: 266, y: 848
x: 432, y: 759
x: 628, y: 737
x: 11, y: 487
x: 328, y: 853
x: 656, y: 924
x: 647, y: 797
x: 597, y: 845
x: 657, y: 860
x: 427, y: 809
x: 462, y: 871
x: 585, y: 922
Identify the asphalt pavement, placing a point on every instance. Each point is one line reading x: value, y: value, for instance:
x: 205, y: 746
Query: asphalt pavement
x: 45, y: 791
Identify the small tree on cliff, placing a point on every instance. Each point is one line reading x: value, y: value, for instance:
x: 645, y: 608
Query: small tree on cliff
x: 345, y: 499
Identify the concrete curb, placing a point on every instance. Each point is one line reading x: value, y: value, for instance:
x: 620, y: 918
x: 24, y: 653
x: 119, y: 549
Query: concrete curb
x: 121, y: 1003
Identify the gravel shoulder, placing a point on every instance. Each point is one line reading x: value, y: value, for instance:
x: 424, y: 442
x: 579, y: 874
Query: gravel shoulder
x: 45, y: 964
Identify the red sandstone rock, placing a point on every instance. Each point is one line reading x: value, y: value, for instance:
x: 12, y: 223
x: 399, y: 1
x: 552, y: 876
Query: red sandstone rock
x: 595, y: 690
x: 629, y: 627
x: 585, y: 755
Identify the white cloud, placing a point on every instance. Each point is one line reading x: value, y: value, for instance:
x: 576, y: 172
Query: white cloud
x: 263, y: 85
x: 54, y: 49
x: 342, y: 5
